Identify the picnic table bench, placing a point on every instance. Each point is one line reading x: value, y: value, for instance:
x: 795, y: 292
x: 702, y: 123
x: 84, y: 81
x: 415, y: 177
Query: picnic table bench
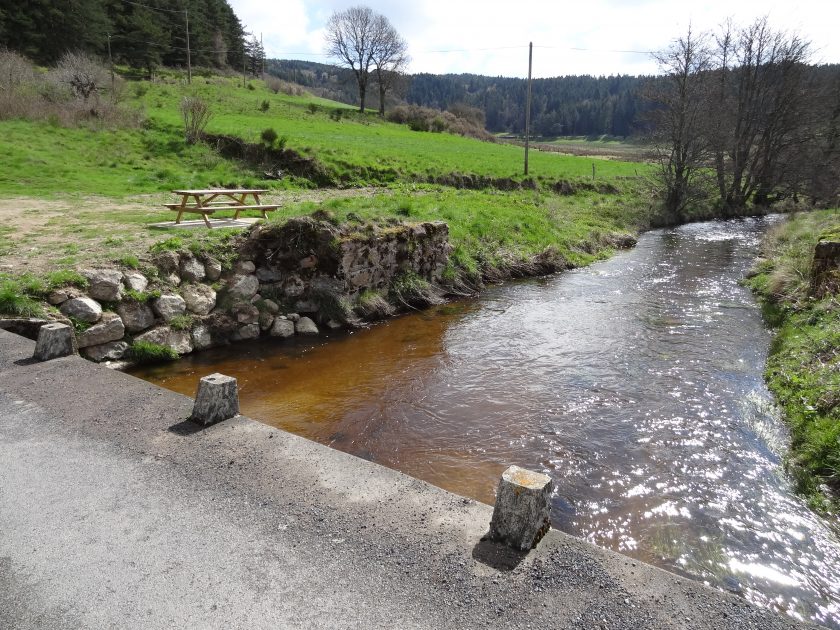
x: 208, y: 201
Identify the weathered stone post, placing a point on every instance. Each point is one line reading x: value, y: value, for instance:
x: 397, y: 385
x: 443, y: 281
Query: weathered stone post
x: 54, y: 340
x: 521, y: 515
x: 217, y: 399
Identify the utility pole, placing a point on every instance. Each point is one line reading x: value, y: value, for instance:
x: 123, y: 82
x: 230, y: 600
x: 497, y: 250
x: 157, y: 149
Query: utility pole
x: 528, y: 106
x: 111, y: 65
x: 189, y: 61
x: 262, y: 55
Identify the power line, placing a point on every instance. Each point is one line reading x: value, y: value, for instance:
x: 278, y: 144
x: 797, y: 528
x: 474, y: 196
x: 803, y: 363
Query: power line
x: 146, y: 6
x: 602, y: 50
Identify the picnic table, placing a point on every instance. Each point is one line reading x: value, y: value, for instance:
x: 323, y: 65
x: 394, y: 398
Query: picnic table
x: 208, y: 201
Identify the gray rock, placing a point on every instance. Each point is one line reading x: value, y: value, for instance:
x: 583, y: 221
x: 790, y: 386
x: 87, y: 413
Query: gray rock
x: 293, y: 316
x: 60, y: 296
x: 172, y: 278
x: 266, y: 320
x: 167, y: 262
x: 82, y: 308
x: 109, y: 328
x: 104, y: 284
x: 111, y: 351
x: 54, y: 340
x: 202, y: 339
x: 200, y: 298
x: 305, y: 326
x: 282, y: 328
x: 271, y: 306
x: 212, y: 269
x: 293, y: 286
x: 522, y: 510
x: 306, y: 306
x: 248, y: 331
x: 269, y: 274
x: 135, y: 315
x: 245, y: 313
x: 178, y: 340
x: 217, y: 399
x: 334, y: 325
x: 244, y: 267
x: 255, y: 299
x: 169, y: 306
x: 135, y: 281
x: 244, y: 287
x: 192, y: 269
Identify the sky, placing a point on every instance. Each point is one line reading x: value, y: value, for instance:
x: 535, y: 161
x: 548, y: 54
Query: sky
x: 490, y: 37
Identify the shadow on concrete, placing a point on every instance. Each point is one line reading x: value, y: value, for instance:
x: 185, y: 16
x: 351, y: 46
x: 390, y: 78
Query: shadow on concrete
x: 185, y: 428
x: 496, y: 555
x: 27, y: 361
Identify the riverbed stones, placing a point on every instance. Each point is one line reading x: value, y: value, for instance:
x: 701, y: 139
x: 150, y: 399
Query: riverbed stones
x: 243, y: 286
x: 169, y: 306
x: 199, y: 298
x: 136, y: 316
x: 135, y: 281
x: 245, y: 313
x: 271, y: 306
x: 111, y: 351
x: 266, y: 320
x: 54, y: 340
x: 282, y: 328
x: 217, y: 399
x: 245, y: 267
x: 109, y: 328
x: 521, y: 514
x: 84, y: 309
x: 202, y: 338
x: 104, y: 285
x: 248, y: 331
x: 306, y: 327
x: 60, y: 296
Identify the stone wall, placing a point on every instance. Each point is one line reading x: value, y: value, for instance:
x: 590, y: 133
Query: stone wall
x: 287, y: 280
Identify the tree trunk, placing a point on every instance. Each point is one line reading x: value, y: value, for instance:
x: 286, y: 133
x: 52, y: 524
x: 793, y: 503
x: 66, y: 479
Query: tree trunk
x: 381, y: 100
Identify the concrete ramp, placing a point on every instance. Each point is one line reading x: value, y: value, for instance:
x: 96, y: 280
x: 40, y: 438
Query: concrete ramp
x: 117, y: 512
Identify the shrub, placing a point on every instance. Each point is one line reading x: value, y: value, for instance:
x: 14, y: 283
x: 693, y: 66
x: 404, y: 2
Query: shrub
x: 274, y: 84
x: 181, y: 322
x: 196, y: 114
x: 172, y: 244
x: 312, y: 108
x: 336, y: 114
x: 129, y: 260
x: 268, y: 137
x: 264, y: 106
x: 148, y: 352
x: 82, y: 73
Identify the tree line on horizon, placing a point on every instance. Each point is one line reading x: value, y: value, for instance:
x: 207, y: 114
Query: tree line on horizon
x: 144, y: 34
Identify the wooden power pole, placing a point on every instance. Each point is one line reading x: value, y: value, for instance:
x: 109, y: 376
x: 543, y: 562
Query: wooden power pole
x: 111, y: 66
x: 528, y: 106
x: 189, y: 61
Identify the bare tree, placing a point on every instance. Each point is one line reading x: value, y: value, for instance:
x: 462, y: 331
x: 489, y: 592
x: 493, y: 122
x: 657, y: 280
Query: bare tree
x: 196, y: 114
x: 760, y: 111
x: 361, y: 39
x: 390, y: 57
x: 83, y: 74
x: 681, y: 119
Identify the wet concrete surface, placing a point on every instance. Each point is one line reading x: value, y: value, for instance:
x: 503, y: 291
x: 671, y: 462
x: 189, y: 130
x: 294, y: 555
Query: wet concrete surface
x: 117, y: 512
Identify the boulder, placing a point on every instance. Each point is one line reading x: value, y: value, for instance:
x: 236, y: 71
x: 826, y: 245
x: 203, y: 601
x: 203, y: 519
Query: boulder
x: 109, y: 328
x: 199, y: 298
x: 306, y: 327
x: 136, y: 316
x: 169, y: 306
x: 282, y: 328
x: 245, y: 313
x: 60, y: 296
x: 244, y: 287
x: 271, y: 306
x: 212, y: 269
x: 248, y: 331
x: 111, y: 351
x: 244, y: 267
x: 104, y: 285
x: 192, y: 269
x: 202, y: 339
x: 269, y: 274
x: 178, y: 340
x: 135, y: 281
x: 82, y: 308
x: 293, y: 286
x: 167, y: 261
x: 266, y: 320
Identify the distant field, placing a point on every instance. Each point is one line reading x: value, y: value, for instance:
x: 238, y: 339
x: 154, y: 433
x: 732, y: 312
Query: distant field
x: 582, y: 146
x: 358, y: 150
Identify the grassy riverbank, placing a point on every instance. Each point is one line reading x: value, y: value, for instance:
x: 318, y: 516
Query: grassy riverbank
x: 803, y: 370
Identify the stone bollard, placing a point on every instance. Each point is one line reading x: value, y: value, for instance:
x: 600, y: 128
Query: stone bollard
x: 54, y: 340
x: 217, y: 399
x: 521, y: 515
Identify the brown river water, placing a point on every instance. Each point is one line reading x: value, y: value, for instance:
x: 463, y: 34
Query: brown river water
x: 635, y: 383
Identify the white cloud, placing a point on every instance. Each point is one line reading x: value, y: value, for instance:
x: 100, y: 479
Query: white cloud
x: 491, y: 36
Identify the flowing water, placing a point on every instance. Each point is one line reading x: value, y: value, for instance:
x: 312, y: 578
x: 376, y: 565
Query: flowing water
x: 635, y: 383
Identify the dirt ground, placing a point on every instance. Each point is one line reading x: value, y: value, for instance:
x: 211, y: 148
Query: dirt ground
x: 41, y: 235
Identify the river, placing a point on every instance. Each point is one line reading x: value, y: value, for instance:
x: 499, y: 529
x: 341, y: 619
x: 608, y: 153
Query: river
x: 636, y: 383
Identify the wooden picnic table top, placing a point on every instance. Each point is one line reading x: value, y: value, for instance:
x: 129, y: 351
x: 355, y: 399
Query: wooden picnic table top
x: 222, y: 191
